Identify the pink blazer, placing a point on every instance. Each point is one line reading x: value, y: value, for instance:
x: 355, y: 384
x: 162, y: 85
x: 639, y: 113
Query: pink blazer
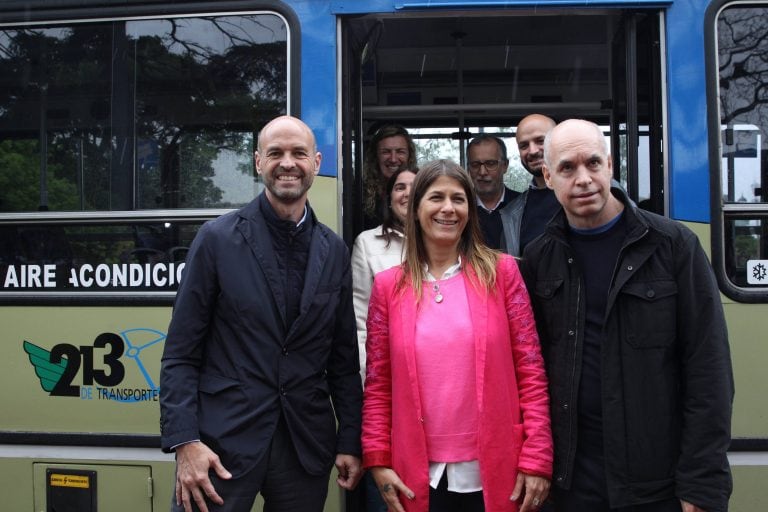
x: 512, y: 400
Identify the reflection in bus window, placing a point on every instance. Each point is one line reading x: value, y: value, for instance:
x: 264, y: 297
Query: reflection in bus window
x: 745, y: 238
x: 137, y: 114
x: 741, y: 164
x: 743, y: 72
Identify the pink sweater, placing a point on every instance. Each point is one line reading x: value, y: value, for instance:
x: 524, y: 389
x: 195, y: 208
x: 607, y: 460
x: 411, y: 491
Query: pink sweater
x: 445, y: 363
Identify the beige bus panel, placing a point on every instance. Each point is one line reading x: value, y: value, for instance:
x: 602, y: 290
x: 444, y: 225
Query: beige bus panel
x: 29, y: 407
x: 118, y: 488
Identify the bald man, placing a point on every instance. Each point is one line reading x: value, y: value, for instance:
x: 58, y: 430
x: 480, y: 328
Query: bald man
x: 524, y: 218
x: 634, y: 339
x: 260, y: 364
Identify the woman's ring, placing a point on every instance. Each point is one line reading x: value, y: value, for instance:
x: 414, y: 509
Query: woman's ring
x: 535, y: 502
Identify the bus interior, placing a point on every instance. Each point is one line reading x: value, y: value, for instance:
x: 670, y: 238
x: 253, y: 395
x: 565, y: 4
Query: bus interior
x: 447, y: 77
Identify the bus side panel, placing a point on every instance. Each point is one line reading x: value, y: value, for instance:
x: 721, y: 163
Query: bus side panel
x: 748, y: 357
x: 105, y: 378
x: 749, y: 489
x: 16, y: 484
x: 134, y: 342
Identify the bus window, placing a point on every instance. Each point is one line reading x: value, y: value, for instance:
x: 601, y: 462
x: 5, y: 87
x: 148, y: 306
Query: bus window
x: 435, y: 143
x: 742, y: 209
x: 166, y: 124
x: 105, y: 119
x: 432, y: 144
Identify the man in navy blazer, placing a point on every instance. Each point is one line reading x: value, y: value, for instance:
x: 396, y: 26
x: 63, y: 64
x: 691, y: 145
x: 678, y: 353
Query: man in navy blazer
x: 261, y: 362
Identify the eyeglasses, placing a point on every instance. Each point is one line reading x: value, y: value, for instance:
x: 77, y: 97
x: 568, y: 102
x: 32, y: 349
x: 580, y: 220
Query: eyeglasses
x: 490, y: 165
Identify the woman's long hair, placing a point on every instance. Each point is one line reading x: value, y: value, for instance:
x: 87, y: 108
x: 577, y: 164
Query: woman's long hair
x: 474, y: 253
x: 373, y: 181
x: 391, y: 222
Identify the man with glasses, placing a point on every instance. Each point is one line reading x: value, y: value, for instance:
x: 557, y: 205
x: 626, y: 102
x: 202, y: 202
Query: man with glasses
x: 524, y: 218
x: 487, y: 163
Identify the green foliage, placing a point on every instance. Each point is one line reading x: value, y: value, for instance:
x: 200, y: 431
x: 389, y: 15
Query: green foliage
x: 21, y: 183
x: 745, y: 248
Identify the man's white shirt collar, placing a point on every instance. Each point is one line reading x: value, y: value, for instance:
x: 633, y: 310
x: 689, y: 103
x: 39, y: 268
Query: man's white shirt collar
x: 501, y: 199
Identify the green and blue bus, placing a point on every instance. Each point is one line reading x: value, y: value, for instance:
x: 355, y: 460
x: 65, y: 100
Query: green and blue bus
x: 126, y: 124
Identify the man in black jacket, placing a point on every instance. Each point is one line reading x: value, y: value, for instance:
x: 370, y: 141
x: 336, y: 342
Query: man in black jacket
x: 262, y: 340
x: 635, y: 343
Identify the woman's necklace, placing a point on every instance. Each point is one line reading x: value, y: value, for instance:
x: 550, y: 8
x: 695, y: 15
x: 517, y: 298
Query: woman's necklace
x: 436, y: 289
x: 450, y: 271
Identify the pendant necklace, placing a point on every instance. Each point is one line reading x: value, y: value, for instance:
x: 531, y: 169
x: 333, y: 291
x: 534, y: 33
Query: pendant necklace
x: 438, y: 295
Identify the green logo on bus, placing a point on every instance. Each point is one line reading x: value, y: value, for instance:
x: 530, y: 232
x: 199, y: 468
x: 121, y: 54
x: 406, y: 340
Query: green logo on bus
x: 58, y: 368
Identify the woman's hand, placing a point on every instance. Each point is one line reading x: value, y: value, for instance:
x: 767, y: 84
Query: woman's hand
x: 389, y: 484
x: 533, y: 490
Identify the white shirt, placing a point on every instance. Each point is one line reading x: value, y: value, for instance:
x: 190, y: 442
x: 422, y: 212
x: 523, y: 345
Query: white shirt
x: 481, y: 205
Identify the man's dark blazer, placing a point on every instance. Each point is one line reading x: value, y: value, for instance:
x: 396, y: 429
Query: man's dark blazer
x: 230, y: 364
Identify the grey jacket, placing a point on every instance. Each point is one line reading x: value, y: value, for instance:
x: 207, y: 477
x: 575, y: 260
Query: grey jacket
x: 511, y: 220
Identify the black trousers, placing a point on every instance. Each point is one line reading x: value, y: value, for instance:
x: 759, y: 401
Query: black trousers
x: 280, y: 478
x: 443, y: 500
x: 589, y: 492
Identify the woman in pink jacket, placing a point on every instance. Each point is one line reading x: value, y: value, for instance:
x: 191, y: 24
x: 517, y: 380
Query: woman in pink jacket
x: 456, y: 411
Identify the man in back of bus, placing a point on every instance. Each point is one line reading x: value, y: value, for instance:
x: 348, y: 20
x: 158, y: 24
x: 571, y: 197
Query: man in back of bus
x: 487, y: 163
x: 262, y: 338
x: 524, y: 218
x: 635, y: 344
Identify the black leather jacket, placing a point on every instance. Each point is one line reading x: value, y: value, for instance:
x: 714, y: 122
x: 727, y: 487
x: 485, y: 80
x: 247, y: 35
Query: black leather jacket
x: 666, y: 370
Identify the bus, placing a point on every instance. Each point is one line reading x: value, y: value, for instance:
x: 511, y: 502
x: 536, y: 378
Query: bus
x: 125, y: 125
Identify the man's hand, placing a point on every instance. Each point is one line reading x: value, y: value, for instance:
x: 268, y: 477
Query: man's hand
x: 193, y: 460
x: 532, y: 490
x: 350, y: 471
x: 389, y: 484
x: 690, y: 507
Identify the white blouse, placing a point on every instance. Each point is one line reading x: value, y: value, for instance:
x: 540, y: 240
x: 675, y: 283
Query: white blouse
x: 370, y: 255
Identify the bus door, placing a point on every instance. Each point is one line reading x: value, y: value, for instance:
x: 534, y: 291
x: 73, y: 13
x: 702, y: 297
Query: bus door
x: 447, y: 76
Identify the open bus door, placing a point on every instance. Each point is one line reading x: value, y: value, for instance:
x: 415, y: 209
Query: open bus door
x: 448, y: 76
